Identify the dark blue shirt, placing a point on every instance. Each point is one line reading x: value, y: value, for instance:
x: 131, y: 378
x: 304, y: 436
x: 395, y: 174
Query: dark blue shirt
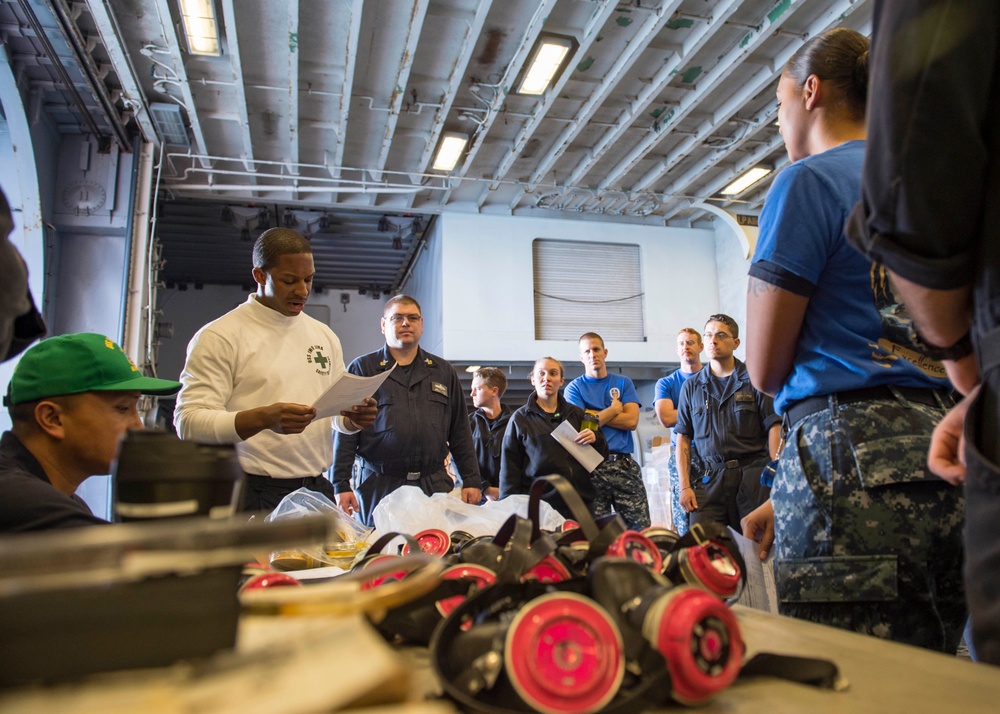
x: 725, y: 418
x: 487, y: 435
x: 421, y: 416
x: 28, y: 500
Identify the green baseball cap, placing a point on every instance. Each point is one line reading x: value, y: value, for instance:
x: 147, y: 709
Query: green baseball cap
x: 85, y: 362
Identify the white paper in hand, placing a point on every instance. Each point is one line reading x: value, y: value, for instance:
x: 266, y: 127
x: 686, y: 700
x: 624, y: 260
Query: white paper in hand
x: 760, y: 592
x: 347, y: 391
x: 589, y: 457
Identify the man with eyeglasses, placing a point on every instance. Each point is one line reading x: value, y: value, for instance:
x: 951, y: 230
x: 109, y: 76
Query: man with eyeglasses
x: 734, y: 429
x: 422, y: 415
x: 252, y: 375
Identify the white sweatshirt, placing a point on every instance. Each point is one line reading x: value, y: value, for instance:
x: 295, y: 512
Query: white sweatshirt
x: 251, y: 357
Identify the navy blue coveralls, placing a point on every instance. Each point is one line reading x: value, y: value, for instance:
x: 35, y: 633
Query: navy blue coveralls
x: 488, y: 437
x: 421, y: 414
x: 730, y: 439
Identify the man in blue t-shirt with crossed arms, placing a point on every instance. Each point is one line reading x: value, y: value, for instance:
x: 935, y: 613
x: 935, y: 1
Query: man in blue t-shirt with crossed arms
x: 618, y: 480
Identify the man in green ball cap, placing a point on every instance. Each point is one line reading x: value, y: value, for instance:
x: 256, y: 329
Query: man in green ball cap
x: 71, y: 399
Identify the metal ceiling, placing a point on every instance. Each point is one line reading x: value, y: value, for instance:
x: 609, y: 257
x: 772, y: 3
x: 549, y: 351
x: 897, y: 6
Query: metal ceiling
x: 337, y: 107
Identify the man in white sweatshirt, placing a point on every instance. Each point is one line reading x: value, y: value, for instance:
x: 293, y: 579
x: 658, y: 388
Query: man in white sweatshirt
x: 251, y: 376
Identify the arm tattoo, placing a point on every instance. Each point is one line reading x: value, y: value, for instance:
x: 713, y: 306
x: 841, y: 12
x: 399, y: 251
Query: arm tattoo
x: 757, y: 287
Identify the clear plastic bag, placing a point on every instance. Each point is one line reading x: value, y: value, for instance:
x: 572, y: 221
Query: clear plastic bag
x: 409, y: 510
x: 354, y: 537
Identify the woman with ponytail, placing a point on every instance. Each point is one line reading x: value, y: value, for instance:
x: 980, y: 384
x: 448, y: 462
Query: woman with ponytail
x: 866, y: 538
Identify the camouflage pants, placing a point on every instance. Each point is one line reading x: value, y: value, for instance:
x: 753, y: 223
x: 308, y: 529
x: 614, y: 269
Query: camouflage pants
x: 619, y: 486
x: 866, y: 538
x: 678, y: 516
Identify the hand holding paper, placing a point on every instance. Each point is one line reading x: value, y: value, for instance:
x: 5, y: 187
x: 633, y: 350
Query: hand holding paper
x: 362, y: 415
x: 589, y: 457
x: 349, y: 391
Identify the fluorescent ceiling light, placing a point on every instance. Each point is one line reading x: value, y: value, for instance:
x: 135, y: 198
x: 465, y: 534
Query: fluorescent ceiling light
x: 745, y: 181
x: 545, y: 62
x: 200, y: 27
x: 450, y: 151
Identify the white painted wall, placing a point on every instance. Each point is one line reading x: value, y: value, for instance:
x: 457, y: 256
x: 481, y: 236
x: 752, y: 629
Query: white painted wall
x: 487, y: 309
x: 732, y: 268
x: 426, y: 284
x: 187, y: 310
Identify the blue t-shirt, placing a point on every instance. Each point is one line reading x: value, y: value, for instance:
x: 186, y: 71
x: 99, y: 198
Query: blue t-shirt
x: 590, y: 393
x: 669, y: 387
x: 855, y: 333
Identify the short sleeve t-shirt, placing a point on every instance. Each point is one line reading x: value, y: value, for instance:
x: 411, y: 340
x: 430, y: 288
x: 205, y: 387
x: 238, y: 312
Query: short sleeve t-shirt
x: 855, y: 333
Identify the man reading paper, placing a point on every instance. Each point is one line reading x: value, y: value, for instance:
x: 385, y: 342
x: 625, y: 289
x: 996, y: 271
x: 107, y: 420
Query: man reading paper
x: 265, y: 350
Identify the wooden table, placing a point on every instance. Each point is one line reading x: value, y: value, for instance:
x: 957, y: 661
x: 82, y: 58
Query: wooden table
x: 292, y: 665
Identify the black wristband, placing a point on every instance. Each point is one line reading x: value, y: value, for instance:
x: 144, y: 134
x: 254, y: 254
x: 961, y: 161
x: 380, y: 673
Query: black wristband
x: 962, y: 348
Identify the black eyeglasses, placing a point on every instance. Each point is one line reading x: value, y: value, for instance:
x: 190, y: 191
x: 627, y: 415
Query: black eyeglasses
x: 398, y: 319
x: 721, y: 335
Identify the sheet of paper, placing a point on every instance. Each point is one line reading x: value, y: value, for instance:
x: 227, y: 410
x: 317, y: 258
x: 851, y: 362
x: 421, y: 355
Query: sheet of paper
x: 760, y: 592
x: 347, y: 391
x: 587, y: 455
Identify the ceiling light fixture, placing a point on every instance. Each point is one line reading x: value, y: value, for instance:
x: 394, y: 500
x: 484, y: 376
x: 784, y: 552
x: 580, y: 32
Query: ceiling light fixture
x: 200, y: 27
x: 745, y: 181
x: 450, y: 151
x: 546, y: 60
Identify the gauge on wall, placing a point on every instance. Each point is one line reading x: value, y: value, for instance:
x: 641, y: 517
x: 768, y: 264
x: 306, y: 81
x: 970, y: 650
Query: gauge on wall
x: 84, y: 197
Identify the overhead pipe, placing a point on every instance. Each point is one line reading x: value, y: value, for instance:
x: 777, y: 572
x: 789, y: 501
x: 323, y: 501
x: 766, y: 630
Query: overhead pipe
x: 209, y: 162
x: 139, y: 238
x: 152, y: 269
x: 266, y: 87
x: 183, y: 188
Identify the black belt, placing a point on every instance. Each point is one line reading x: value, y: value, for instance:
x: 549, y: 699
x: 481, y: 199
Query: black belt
x: 296, y: 482
x: 617, y: 455
x: 402, y: 471
x: 733, y: 463
x: 930, y: 397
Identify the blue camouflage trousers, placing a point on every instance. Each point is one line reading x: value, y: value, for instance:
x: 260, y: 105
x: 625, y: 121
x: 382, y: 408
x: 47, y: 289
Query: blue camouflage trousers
x: 678, y: 516
x: 866, y: 538
x: 619, y: 486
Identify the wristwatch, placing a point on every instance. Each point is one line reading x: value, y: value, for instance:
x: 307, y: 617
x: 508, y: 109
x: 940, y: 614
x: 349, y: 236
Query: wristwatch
x: 962, y: 348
